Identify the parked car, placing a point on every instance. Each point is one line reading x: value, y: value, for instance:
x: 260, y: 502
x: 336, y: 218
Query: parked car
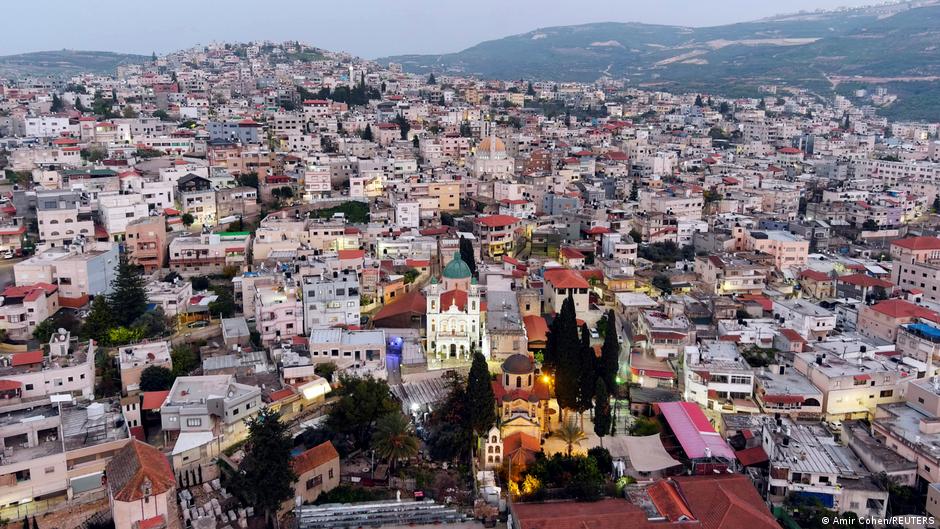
x: 197, y: 324
x: 9, y: 254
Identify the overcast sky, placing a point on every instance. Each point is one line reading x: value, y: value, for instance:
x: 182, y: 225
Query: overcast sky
x: 369, y: 28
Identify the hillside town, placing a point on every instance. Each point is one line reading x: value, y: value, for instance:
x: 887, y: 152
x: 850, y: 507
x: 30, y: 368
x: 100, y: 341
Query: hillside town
x: 269, y: 285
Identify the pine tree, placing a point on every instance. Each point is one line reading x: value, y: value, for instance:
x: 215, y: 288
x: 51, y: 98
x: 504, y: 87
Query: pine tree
x: 602, y: 418
x: 698, y: 101
x: 634, y: 191
x: 267, y: 461
x: 466, y: 254
x: 567, y: 348
x: 367, y: 133
x: 56, y: 104
x: 936, y: 204
x: 98, y: 321
x: 431, y: 79
x: 530, y: 91
x: 609, y: 363
x: 128, y: 298
x: 480, y: 397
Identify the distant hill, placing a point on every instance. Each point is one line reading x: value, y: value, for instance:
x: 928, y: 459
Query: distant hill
x: 813, y: 50
x: 65, y: 62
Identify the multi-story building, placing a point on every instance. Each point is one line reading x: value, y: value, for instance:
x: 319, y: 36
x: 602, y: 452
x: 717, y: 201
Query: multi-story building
x: 213, y: 404
x: 561, y: 283
x: 146, y: 242
x: 330, y: 300
x: 68, y: 369
x: 808, y: 319
x: 116, y: 210
x: 279, y: 312
x: 79, y: 271
x: 63, y: 216
x: 917, y: 265
x: 208, y: 253
x: 663, y: 335
x: 497, y: 234
x: 173, y: 297
x: 729, y: 275
x: 716, y: 375
x: 22, y: 308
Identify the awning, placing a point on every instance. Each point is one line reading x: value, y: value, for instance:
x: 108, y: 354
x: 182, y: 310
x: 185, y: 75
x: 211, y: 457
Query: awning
x: 862, y: 378
x: 647, y: 454
x: 652, y: 373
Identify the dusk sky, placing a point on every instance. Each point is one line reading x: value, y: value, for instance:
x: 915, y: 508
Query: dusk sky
x: 369, y: 28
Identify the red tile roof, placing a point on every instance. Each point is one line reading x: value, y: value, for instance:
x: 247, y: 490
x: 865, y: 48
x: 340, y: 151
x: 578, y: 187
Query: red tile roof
x: 900, y: 309
x: 571, y: 253
x: 726, y: 501
x: 863, y: 280
x: 608, y: 513
x: 497, y: 221
x: 535, y: 328
x: 565, y: 278
x: 153, y: 400
x: 814, y: 275
x: 135, y: 464
x: 413, y: 302
x: 918, y: 243
x: 27, y: 358
x: 315, y: 457
x: 752, y: 456
x: 792, y: 335
x: 351, y: 254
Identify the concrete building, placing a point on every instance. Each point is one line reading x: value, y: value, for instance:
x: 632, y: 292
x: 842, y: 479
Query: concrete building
x: 330, y: 300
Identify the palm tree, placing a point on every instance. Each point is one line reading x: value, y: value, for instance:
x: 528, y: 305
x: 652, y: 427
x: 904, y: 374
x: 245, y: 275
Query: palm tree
x: 571, y: 434
x: 394, y: 438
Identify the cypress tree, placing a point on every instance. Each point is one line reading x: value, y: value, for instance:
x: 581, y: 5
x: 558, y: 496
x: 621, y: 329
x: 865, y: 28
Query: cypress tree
x: 367, y: 133
x: 480, y: 398
x: 466, y: 253
x: 609, y: 363
x: 587, y: 374
x: 602, y: 418
x: 567, y: 348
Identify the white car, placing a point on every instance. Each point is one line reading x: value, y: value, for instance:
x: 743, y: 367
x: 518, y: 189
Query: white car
x: 8, y: 254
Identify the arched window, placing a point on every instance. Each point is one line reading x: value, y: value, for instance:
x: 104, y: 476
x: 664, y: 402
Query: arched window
x: 518, y: 382
x: 54, y: 234
x: 490, y: 449
x: 506, y: 379
x: 69, y: 221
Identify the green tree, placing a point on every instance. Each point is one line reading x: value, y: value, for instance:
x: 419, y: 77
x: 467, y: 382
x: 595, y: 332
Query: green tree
x: 662, y: 282
x: 698, y: 101
x: 79, y: 106
x: 480, y: 397
x: 415, y: 142
x: 431, y: 79
x: 185, y: 359
x: 128, y: 299
x: 224, y: 305
x: 44, y: 331
x: 465, y: 130
x: 161, y: 114
x: 565, y: 345
x: 151, y: 323
x: 602, y: 417
x: 56, y: 104
x: 129, y: 112
x: 644, y: 426
x: 394, y: 439
x: 936, y: 204
x: 530, y: 91
x: 635, y: 191
x: 571, y: 434
x: 870, y: 225
x: 267, y: 461
x: 449, y: 435
x: 122, y: 335
x: 367, y: 133
x: 156, y: 378
x: 99, y: 321
x: 188, y: 219
x: 636, y: 236
x: 403, y: 126
x: 609, y: 364
x: 466, y: 254
x: 362, y: 403
x: 587, y: 371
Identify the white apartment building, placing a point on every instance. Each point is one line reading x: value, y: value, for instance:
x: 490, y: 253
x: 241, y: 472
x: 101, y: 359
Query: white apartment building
x: 331, y: 300
x: 116, y: 210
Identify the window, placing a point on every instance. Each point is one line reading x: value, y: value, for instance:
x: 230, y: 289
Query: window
x: 314, y: 481
x: 193, y: 422
x: 49, y: 470
x: 886, y: 393
x: 331, y: 474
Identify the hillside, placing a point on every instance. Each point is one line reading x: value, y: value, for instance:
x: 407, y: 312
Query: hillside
x: 65, y: 62
x: 813, y: 50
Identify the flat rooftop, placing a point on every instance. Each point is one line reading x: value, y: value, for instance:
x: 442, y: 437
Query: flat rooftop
x: 90, y: 424
x: 791, y: 382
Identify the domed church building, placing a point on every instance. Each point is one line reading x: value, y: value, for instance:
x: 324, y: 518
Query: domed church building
x: 456, y: 314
